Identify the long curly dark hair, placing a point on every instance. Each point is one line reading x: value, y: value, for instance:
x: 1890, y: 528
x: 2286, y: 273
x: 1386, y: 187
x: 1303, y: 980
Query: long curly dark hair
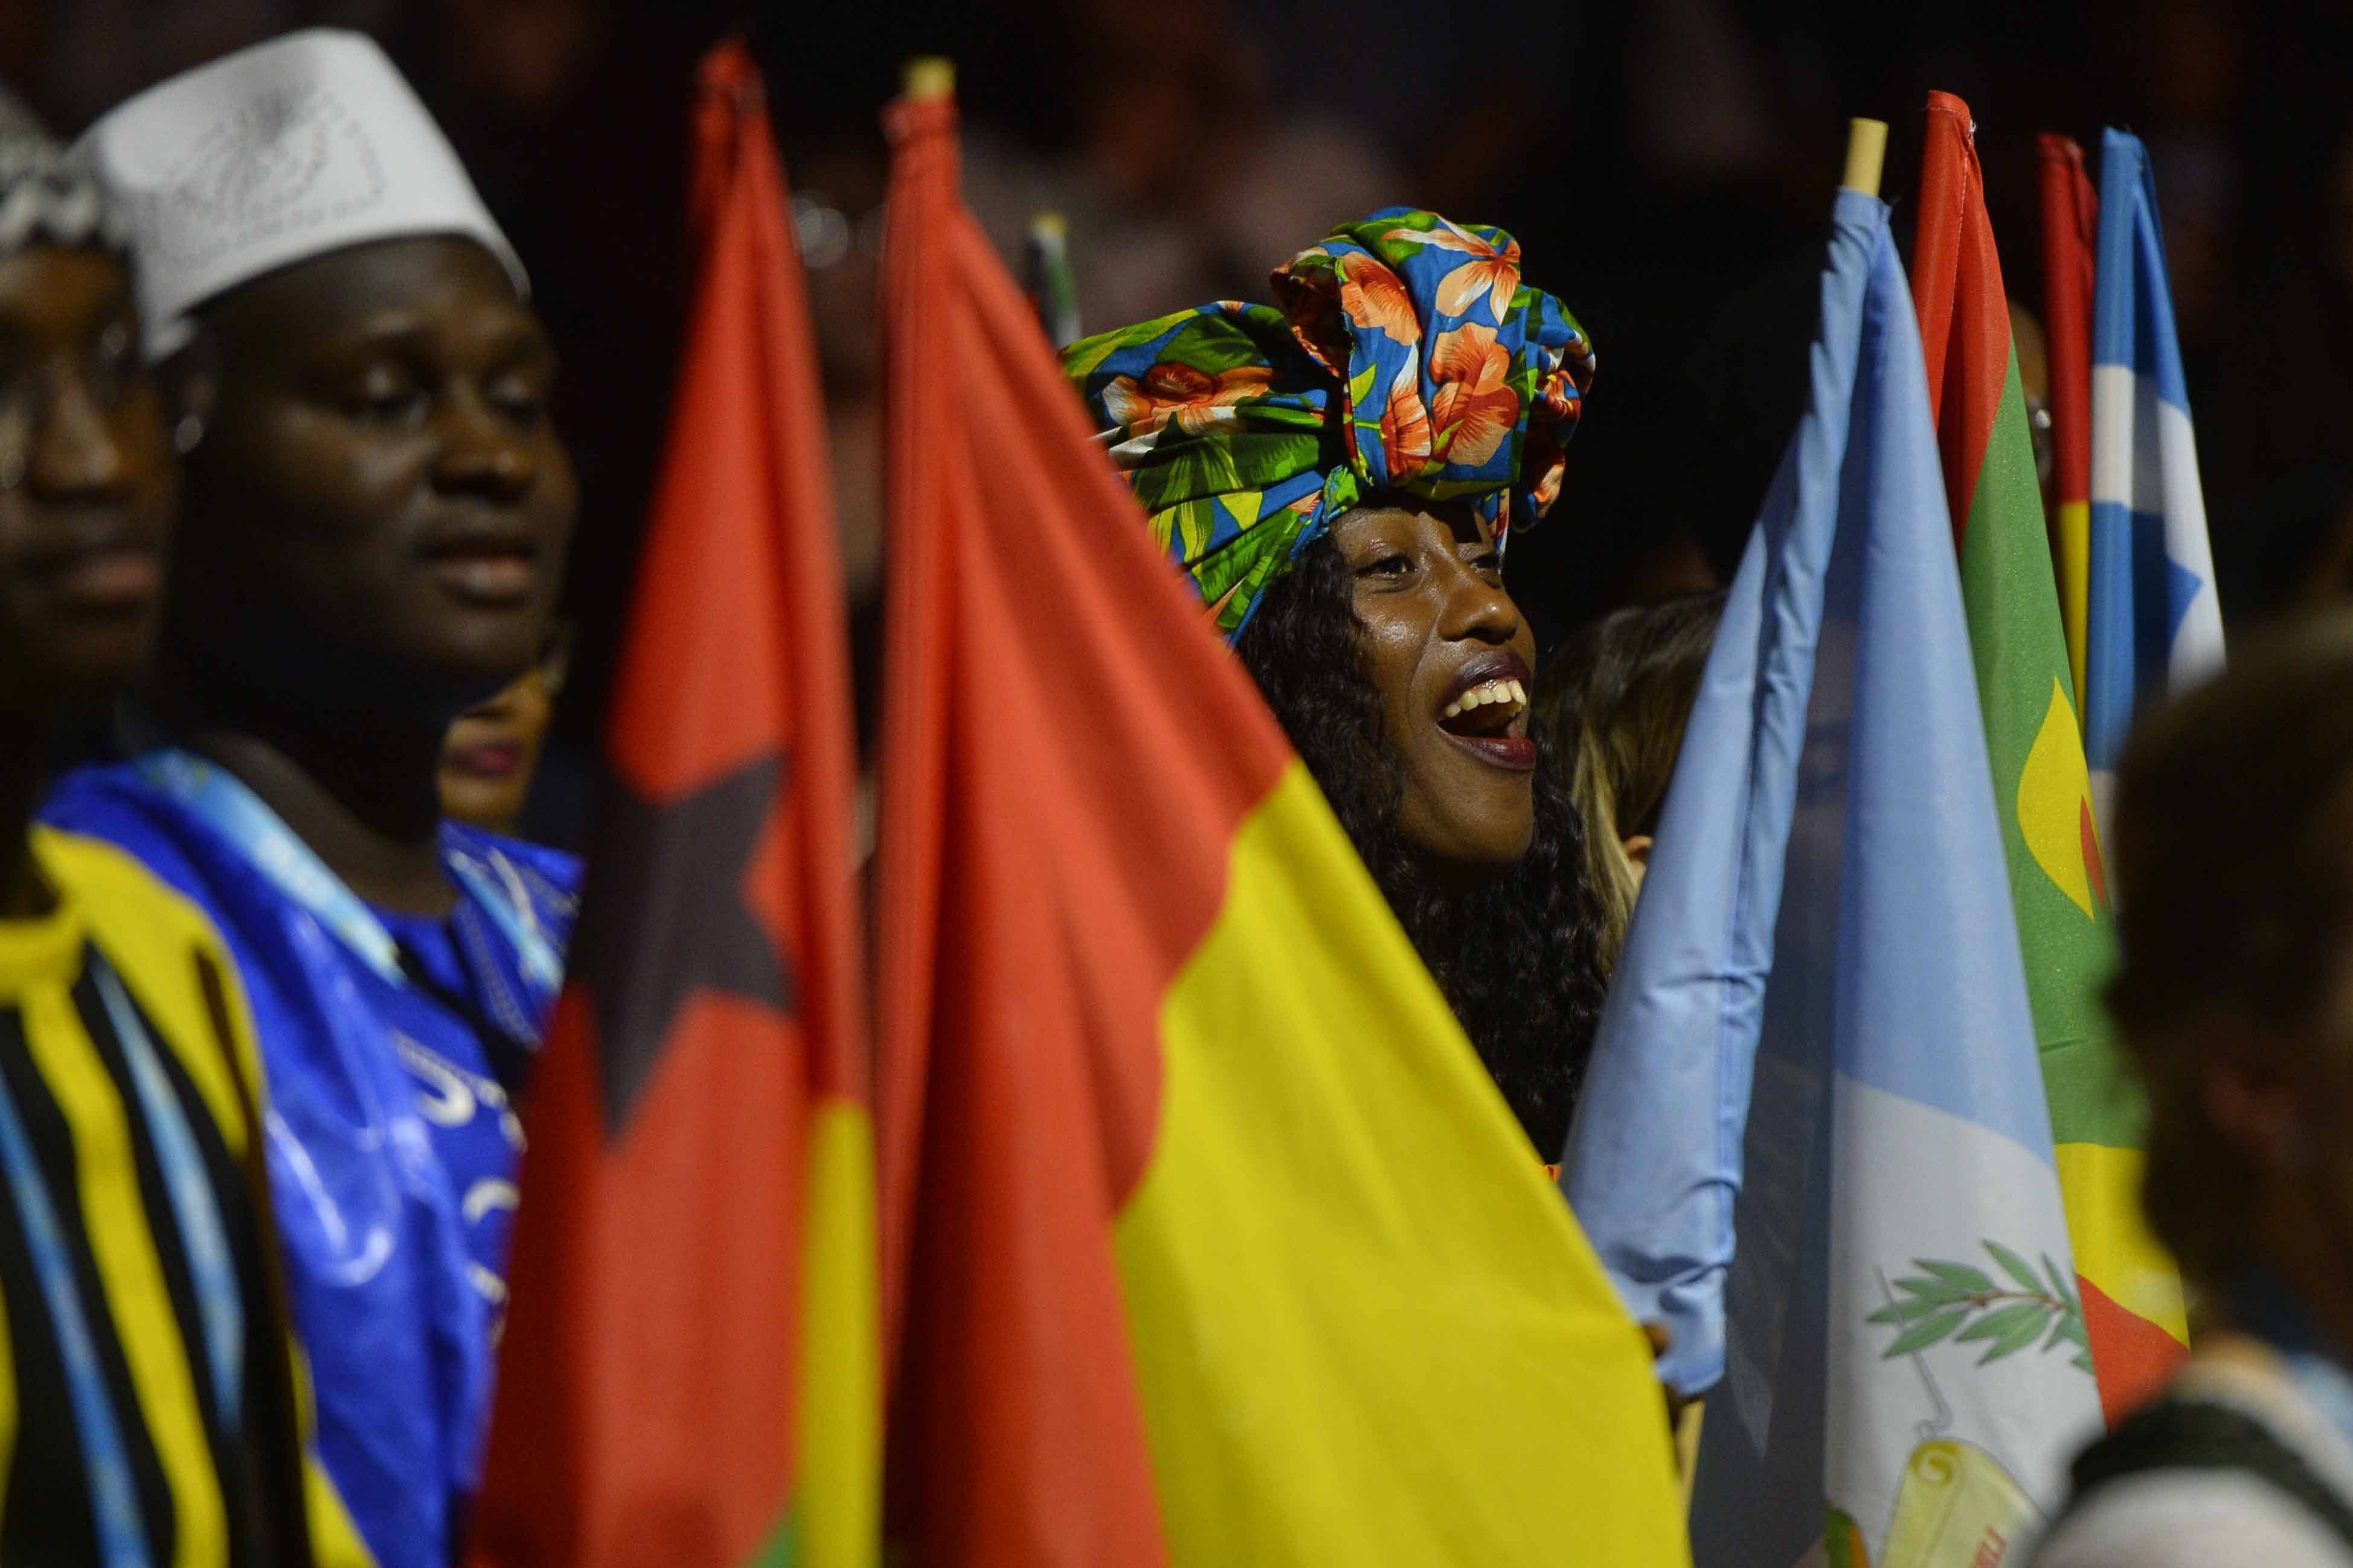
x: 1518, y: 957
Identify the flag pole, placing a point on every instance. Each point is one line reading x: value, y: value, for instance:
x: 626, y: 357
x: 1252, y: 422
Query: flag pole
x: 929, y: 77
x: 1866, y: 149
x: 1053, y: 289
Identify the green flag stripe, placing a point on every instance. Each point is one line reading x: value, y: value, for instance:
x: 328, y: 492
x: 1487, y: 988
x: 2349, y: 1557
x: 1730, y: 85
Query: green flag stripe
x: 2020, y: 651
x: 782, y: 1549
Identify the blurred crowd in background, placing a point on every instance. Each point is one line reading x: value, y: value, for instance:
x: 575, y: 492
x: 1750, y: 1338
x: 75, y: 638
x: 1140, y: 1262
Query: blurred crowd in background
x: 1667, y: 164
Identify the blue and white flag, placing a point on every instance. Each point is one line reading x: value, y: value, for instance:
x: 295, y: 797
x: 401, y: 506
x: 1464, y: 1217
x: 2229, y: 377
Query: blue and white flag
x: 2153, y: 621
x: 1818, y: 1038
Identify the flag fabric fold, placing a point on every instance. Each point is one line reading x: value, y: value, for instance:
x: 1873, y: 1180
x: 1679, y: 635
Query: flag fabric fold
x: 2154, y: 621
x: 1207, y: 1239
x: 2017, y: 640
x: 1654, y: 1156
x: 689, y: 1369
x: 2071, y: 232
x: 1906, y: 1367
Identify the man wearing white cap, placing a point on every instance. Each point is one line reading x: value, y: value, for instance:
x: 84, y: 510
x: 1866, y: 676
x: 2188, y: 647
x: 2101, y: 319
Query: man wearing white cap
x: 375, y: 517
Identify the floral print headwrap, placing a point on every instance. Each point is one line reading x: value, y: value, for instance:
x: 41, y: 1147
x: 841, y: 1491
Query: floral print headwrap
x: 1407, y: 357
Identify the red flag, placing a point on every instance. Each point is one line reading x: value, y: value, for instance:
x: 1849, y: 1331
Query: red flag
x: 688, y: 1371
x: 2071, y: 235
x: 1208, y: 1240
x: 2034, y: 742
x: 1957, y: 289
x: 947, y: 310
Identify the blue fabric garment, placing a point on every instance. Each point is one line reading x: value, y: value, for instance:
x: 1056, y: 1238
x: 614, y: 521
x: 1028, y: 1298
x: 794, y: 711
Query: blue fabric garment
x: 392, y: 1144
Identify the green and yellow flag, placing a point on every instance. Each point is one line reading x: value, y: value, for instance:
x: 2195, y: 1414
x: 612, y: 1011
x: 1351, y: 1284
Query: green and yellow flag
x: 2132, y: 1293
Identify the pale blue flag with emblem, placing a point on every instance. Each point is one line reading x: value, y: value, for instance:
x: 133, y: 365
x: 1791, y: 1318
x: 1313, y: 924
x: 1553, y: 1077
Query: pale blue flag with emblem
x: 1819, y: 1042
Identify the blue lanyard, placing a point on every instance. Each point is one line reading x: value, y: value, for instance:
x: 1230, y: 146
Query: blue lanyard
x: 203, y: 1235
x: 114, y: 1501
x: 224, y: 802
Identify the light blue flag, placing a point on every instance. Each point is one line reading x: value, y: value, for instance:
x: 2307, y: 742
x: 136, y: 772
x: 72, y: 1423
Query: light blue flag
x: 1653, y: 1157
x: 1818, y: 1037
x: 2154, y: 620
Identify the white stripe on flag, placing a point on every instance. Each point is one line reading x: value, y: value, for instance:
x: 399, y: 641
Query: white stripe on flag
x: 2197, y: 648
x: 1945, y: 1445
x: 2124, y: 468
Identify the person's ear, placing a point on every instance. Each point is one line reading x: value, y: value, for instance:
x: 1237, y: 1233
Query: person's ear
x: 556, y: 659
x: 190, y: 380
x: 1638, y: 849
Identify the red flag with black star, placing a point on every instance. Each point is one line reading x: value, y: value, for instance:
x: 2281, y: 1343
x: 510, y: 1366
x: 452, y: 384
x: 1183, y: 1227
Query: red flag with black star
x: 688, y: 1373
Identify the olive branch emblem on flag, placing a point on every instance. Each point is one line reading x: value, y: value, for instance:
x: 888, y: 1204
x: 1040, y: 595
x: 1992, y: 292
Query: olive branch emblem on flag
x: 1961, y: 1303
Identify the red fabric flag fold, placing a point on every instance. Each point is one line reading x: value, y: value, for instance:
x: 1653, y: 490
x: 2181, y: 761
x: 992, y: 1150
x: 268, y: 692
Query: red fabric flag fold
x: 687, y: 1369
x: 2070, y: 240
x: 1016, y: 1434
x: 1206, y: 1238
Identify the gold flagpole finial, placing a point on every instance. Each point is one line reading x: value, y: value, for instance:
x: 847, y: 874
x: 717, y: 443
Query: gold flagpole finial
x: 929, y: 77
x: 1866, y: 149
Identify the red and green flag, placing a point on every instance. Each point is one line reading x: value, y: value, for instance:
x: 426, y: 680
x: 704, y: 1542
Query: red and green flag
x: 2026, y: 689
x: 1207, y: 1239
x: 688, y: 1373
x: 2070, y: 236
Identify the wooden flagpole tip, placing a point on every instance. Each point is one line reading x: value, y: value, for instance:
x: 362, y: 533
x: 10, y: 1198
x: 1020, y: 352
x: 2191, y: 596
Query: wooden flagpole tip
x: 1866, y: 151
x: 929, y: 77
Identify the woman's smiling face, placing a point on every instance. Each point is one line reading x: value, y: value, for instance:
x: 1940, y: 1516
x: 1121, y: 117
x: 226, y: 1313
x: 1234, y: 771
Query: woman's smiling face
x: 1451, y: 655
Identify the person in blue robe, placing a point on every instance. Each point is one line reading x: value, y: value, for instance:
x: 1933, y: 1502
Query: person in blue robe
x: 375, y: 509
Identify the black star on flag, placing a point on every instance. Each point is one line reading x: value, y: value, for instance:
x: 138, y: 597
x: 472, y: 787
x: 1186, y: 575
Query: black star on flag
x: 664, y: 917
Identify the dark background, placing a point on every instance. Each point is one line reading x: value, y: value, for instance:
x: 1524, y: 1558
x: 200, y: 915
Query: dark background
x: 1667, y: 165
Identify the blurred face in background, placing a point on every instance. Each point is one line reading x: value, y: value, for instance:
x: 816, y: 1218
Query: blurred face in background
x: 2034, y: 352
x: 86, y: 483
x: 524, y: 55
x: 493, y: 752
x: 378, y: 510
x: 2233, y: 991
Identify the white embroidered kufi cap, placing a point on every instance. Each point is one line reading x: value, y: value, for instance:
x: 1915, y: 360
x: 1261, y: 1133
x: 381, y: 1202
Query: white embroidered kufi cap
x: 308, y: 143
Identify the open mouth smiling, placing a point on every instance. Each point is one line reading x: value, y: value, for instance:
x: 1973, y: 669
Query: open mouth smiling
x: 1485, y: 713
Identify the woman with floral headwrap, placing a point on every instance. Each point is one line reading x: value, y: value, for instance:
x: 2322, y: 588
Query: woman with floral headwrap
x: 1337, y: 478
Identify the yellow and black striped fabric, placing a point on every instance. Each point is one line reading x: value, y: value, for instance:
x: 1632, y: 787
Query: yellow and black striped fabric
x: 150, y: 1411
